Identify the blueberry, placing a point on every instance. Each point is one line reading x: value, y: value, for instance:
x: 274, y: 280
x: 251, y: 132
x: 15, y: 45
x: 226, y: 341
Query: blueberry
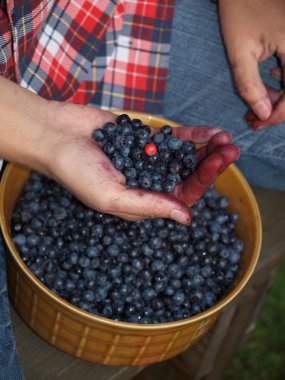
x: 109, y: 149
x: 157, y: 265
x: 188, y: 147
x: 155, y: 242
x: 19, y: 240
x: 178, y: 155
x: 156, y: 186
x: 118, y: 161
x: 92, y: 252
x: 107, y: 311
x: 210, y: 299
x: 136, y: 154
x: 125, y: 128
x: 206, y: 271
x: 137, y: 264
x: 89, y: 296
x: 175, y: 167
x: 33, y: 206
x: 144, y: 182
x: 165, y: 155
x: 168, y: 185
x: 166, y: 130
x: 136, y: 123
x: 175, y: 283
x: 128, y: 162
x: 158, y: 138
x: 132, y: 183
x: 123, y: 118
x: 178, y: 298
x: 139, y: 164
x: 190, y: 161
x: 109, y: 128
x: 101, y: 293
x: 238, y: 246
x: 223, y: 203
x: 125, y: 151
x: 185, y: 173
x: 149, y: 294
x: 197, y: 281
x: 174, y: 143
x: 98, y: 134
x: 84, y: 261
x: 234, y: 257
x: 130, y: 173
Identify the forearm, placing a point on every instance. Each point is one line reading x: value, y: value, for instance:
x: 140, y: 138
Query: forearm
x: 23, y: 125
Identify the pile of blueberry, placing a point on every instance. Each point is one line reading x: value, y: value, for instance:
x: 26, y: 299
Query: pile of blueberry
x: 157, y: 163
x: 151, y: 271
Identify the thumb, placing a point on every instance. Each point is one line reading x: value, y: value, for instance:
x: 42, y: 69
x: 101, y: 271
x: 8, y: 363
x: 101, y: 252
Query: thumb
x: 250, y: 85
x: 140, y: 204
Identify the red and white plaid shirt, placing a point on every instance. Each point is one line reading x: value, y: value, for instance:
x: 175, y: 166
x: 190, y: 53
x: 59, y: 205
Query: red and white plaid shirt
x: 112, y: 54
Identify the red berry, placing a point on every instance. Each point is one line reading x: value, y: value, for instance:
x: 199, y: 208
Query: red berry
x: 150, y: 149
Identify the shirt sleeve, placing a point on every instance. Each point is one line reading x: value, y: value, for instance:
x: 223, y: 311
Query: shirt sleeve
x: 6, y: 56
x: 57, y: 55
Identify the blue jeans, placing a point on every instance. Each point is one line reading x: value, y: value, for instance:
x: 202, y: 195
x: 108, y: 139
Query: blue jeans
x: 201, y: 91
x: 9, y: 364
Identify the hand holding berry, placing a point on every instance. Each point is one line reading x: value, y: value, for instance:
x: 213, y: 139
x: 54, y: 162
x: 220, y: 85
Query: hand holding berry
x: 80, y: 164
x: 159, y: 160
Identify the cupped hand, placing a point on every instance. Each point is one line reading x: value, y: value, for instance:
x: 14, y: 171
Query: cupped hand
x: 253, y: 31
x: 78, y: 162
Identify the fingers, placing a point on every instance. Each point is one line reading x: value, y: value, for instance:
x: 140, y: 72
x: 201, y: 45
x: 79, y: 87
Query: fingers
x: 277, y: 98
x: 141, y: 204
x: 250, y: 85
x: 199, y: 135
x: 208, y: 170
x: 218, y: 140
x: 277, y: 116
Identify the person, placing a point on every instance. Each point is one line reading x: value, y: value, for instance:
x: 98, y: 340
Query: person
x: 143, y: 56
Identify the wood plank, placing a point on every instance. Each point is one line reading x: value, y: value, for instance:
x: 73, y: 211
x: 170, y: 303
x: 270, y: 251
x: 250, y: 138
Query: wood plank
x: 41, y: 361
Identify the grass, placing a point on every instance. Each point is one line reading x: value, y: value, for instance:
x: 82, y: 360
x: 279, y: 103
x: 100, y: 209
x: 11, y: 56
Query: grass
x: 263, y: 356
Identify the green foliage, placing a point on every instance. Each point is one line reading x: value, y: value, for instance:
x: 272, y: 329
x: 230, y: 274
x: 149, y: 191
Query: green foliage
x: 263, y: 356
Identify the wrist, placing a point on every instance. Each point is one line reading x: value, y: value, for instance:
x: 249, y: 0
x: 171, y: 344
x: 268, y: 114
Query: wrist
x: 24, y: 119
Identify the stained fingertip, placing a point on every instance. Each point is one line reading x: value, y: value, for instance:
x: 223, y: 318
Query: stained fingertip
x: 222, y: 138
x: 257, y: 125
x: 181, y: 216
x: 229, y: 154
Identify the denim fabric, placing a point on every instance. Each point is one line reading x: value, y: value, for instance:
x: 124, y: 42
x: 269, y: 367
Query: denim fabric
x: 201, y: 91
x: 9, y: 364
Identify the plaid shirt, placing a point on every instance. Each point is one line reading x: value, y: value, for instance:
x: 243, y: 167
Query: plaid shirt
x: 112, y: 54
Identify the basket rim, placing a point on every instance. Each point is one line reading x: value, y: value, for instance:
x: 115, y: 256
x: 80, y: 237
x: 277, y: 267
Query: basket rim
x: 136, y: 326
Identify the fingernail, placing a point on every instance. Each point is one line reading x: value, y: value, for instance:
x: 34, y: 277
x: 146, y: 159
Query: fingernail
x: 262, y: 109
x: 180, y: 216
